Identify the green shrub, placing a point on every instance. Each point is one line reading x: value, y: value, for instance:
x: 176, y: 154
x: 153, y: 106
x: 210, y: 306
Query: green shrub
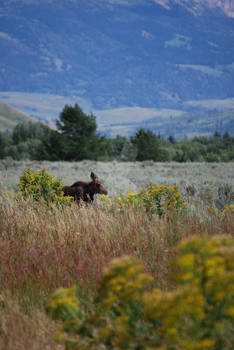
x: 41, y: 186
x: 65, y: 306
x: 154, y: 199
x: 196, y: 315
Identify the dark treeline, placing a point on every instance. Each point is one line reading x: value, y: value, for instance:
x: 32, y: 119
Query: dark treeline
x: 76, y: 138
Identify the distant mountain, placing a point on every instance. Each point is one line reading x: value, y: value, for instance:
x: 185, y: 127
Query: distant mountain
x: 10, y: 116
x: 166, y: 122
x: 126, y: 121
x: 157, y: 54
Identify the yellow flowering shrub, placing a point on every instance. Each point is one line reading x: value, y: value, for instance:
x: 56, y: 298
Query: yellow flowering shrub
x: 177, y: 317
x: 122, y: 284
x: 229, y: 208
x: 222, y: 214
x: 162, y: 198
x: 106, y: 200
x: 118, y: 321
x: 197, y: 314
x: 41, y: 186
x: 64, y: 305
x: 154, y: 199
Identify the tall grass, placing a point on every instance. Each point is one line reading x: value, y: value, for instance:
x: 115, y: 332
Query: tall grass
x: 20, y: 331
x: 44, y: 248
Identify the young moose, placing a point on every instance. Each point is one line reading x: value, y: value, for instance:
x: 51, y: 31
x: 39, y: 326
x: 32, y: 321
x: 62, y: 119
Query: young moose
x: 85, y: 191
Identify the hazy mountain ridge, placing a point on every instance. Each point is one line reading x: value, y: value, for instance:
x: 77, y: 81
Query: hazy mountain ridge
x: 115, y: 53
x: 126, y: 121
x: 10, y: 117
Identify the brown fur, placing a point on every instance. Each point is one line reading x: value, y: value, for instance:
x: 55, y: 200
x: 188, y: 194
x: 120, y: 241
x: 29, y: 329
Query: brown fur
x: 85, y: 191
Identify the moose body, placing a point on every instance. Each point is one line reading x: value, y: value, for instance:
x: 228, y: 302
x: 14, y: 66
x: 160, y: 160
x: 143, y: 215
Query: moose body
x: 85, y: 191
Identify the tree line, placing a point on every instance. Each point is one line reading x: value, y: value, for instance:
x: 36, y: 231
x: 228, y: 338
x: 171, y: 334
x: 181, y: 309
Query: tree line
x: 76, y: 138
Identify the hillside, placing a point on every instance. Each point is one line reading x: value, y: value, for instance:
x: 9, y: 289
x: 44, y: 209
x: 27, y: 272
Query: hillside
x: 190, y: 122
x: 10, y: 116
x: 107, y: 55
x: 196, y: 118
x: 154, y: 54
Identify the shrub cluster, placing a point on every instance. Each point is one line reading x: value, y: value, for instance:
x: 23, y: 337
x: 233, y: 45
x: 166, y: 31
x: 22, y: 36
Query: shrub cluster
x: 197, y: 314
x: 154, y: 199
x: 41, y: 186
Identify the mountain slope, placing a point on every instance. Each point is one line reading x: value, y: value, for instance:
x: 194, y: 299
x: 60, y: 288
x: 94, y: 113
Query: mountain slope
x: 118, y: 53
x: 10, y: 116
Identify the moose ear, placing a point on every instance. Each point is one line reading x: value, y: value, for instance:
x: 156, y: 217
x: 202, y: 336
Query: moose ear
x: 93, y: 176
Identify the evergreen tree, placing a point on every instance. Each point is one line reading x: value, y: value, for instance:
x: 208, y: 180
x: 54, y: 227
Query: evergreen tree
x: 79, y: 133
x: 51, y: 147
x: 217, y: 134
x: 2, y: 147
x: 116, y: 146
x: 171, y: 139
x: 148, y: 146
x: 28, y: 130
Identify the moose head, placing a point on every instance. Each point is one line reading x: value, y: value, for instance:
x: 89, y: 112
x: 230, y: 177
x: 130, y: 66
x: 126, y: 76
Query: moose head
x: 96, y: 185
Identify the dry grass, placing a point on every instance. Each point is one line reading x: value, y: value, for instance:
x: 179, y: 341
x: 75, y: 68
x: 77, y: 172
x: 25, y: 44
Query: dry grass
x: 19, y: 331
x: 42, y: 249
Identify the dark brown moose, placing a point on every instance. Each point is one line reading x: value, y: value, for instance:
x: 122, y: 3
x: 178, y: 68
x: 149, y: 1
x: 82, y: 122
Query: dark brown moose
x: 85, y: 191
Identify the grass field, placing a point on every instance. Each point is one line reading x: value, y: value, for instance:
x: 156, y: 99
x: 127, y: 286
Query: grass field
x: 121, y: 177
x: 43, y: 249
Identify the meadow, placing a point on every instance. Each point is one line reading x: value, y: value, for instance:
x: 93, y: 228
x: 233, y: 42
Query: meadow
x: 120, y: 177
x: 44, y: 248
